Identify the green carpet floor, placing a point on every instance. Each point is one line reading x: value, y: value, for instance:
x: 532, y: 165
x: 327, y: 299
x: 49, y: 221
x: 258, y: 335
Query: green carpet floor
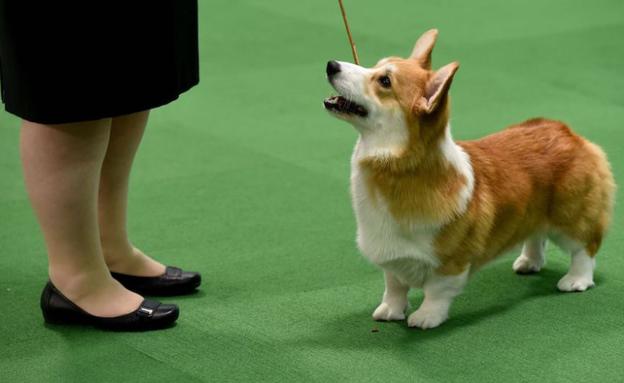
x: 245, y: 178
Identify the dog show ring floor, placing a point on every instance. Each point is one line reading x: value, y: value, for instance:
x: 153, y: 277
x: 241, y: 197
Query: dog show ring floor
x: 245, y: 178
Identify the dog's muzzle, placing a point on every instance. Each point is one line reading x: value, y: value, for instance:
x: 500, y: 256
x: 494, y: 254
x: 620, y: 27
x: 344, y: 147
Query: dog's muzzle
x: 340, y: 104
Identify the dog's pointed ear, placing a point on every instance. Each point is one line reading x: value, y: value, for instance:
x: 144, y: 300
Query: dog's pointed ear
x: 423, y: 47
x: 438, y: 86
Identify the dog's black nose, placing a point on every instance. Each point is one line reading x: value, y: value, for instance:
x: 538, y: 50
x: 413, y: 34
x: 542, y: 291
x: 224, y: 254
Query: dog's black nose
x: 333, y: 67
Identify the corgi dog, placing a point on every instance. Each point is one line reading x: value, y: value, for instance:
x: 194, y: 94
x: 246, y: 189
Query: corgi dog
x: 431, y: 211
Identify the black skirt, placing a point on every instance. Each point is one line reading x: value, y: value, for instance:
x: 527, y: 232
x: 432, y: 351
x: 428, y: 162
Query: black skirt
x: 67, y: 61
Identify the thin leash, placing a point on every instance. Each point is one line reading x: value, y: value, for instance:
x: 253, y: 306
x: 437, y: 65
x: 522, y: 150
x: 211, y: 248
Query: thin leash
x: 346, y: 23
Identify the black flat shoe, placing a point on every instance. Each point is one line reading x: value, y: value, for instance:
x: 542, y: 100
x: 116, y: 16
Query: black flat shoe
x: 173, y: 282
x: 151, y: 315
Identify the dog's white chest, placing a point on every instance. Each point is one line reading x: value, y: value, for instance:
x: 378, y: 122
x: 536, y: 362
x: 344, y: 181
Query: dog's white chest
x: 380, y: 237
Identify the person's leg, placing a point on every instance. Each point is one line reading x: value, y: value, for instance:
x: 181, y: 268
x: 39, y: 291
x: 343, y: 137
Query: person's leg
x: 62, y: 165
x: 125, y: 135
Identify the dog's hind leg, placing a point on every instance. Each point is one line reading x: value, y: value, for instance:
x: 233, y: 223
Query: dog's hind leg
x: 580, y: 212
x: 532, y: 257
x: 394, y: 301
x: 580, y: 276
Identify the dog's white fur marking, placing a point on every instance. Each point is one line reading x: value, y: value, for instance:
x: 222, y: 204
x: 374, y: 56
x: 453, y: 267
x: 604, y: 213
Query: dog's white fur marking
x: 388, y: 136
x: 439, y: 293
x: 380, y: 237
x: 394, y: 300
x: 350, y: 82
x: 460, y: 160
x: 532, y: 257
x: 580, y: 276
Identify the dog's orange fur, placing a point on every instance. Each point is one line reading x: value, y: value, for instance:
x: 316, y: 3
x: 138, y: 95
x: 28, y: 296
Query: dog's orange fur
x: 536, y: 176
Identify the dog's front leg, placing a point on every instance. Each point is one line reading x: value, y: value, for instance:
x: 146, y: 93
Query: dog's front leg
x: 394, y: 300
x: 439, y: 292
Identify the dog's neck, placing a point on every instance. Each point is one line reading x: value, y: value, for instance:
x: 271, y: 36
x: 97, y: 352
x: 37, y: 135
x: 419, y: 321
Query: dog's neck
x: 386, y: 147
x: 385, y: 140
x: 444, y: 172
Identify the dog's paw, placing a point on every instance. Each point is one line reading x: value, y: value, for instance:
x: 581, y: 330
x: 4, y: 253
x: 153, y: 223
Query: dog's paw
x: 388, y: 312
x: 526, y: 265
x: 427, y: 318
x: 575, y: 283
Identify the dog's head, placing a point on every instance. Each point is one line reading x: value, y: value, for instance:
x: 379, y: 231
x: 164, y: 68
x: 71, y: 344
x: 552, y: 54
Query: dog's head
x: 399, y: 105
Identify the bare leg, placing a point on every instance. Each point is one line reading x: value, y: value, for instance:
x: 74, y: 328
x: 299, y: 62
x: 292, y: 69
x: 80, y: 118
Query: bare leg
x: 439, y: 293
x: 125, y: 135
x: 532, y: 258
x: 61, y: 170
x: 394, y: 301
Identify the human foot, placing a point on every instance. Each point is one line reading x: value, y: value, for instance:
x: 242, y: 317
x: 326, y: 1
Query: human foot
x: 174, y: 281
x: 150, y: 315
x: 131, y: 261
x: 102, y: 296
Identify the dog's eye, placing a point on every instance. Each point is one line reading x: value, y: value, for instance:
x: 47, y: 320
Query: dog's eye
x: 385, y: 81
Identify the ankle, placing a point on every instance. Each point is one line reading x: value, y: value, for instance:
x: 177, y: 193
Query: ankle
x: 132, y: 261
x: 117, y: 252
x: 76, y: 284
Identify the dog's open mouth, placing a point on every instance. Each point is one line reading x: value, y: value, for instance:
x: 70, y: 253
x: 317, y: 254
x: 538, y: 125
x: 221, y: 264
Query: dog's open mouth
x: 342, y: 105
